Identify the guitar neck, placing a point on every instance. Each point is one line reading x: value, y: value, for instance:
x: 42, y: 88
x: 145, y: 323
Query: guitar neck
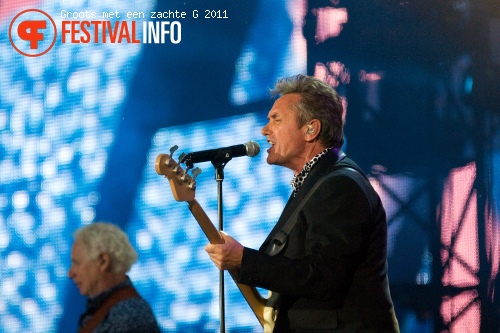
x: 205, y: 223
x: 256, y: 302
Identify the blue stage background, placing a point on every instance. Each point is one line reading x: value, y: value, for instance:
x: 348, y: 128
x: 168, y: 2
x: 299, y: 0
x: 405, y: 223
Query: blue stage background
x: 82, y: 125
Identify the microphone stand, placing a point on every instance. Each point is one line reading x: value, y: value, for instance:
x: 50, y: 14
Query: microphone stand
x: 219, y: 162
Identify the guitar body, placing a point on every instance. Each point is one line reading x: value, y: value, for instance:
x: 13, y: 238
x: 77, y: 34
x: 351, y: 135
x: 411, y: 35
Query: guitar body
x: 183, y: 189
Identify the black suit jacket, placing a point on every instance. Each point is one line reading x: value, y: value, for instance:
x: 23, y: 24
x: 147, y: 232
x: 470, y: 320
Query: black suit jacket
x: 332, y: 272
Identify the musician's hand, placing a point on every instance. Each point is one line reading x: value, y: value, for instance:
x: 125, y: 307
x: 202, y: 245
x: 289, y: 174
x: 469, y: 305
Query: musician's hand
x: 227, y: 255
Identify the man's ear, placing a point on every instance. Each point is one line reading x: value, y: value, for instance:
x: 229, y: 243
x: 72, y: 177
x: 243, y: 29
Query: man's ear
x: 313, y: 128
x: 104, y: 261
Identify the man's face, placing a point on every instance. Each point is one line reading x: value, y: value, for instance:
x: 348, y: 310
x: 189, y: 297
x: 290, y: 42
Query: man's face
x: 84, y: 272
x: 287, y: 140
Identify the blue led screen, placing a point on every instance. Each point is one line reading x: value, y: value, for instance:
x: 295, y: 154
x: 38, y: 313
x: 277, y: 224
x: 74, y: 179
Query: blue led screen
x: 82, y: 124
x: 81, y: 127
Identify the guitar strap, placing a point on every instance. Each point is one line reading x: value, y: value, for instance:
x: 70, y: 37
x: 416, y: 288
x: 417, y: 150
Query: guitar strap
x: 279, y: 240
x: 100, y: 314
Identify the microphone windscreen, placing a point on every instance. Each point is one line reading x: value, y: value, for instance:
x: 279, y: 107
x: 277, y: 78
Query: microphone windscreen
x: 252, y: 148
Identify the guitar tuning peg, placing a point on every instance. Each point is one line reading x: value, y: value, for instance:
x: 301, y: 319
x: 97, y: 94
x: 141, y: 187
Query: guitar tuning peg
x: 182, y: 157
x: 185, y: 175
x: 196, y: 171
x: 168, y: 162
x: 173, y: 149
x: 177, y: 167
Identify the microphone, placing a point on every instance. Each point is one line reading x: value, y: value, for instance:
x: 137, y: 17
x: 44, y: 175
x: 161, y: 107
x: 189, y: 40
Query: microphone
x: 224, y: 154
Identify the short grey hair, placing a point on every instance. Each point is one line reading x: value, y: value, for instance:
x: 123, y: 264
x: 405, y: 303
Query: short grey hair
x: 103, y: 237
x: 318, y: 101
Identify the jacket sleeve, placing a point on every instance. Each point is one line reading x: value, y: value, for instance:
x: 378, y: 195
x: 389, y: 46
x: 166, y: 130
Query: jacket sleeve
x: 323, y: 249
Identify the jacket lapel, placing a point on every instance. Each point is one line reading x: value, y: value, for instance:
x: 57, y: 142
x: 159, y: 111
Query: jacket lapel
x: 321, y: 168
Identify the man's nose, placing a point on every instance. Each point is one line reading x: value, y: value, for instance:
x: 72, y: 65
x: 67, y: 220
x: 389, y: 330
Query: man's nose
x: 264, y: 131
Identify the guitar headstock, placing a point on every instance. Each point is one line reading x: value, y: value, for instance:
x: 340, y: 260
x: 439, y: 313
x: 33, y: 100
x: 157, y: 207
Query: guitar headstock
x: 183, y: 186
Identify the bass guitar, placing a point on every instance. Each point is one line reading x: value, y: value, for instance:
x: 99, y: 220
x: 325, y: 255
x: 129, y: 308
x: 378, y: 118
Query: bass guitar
x: 183, y: 188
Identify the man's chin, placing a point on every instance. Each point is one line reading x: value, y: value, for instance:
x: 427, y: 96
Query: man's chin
x: 270, y: 160
x: 274, y: 159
